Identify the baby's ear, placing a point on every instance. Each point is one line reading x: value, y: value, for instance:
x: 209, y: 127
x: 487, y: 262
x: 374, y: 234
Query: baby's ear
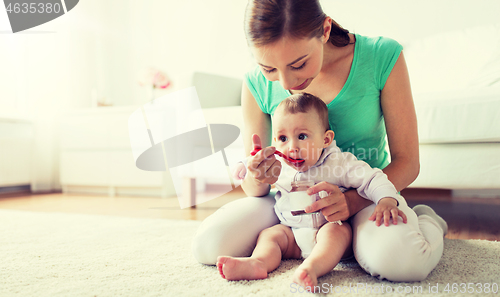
x: 328, y: 138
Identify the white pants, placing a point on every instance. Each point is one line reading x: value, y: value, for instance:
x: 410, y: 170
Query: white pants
x: 402, y: 252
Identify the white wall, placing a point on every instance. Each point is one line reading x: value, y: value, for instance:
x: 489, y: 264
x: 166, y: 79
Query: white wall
x: 181, y: 37
x: 405, y: 20
x: 44, y: 72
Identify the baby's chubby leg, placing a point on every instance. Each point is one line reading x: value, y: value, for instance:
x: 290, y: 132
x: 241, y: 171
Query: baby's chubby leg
x: 333, y: 241
x: 273, y: 244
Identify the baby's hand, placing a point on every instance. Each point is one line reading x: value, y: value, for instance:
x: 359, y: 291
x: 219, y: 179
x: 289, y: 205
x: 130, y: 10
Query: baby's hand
x: 239, y: 171
x: 387, y: 208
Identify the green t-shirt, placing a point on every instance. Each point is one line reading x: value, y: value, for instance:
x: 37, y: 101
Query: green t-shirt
x: 355, y: 114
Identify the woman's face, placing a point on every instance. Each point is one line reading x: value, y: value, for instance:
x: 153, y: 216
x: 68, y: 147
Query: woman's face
x: 291, y: 61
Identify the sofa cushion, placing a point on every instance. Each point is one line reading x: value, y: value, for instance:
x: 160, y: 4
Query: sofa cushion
x: 471, y: 115
x: 489, y: 74
x: 217, y: 90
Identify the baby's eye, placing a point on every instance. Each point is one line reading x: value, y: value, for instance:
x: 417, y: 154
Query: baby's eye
x: 302, y: 136
x: 282, y: 138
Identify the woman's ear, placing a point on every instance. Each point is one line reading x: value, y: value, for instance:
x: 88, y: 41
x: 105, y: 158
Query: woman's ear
x: 327, y: 27
x: 328, y: 138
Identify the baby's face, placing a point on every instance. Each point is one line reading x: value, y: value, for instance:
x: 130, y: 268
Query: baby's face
x: 299, y: 136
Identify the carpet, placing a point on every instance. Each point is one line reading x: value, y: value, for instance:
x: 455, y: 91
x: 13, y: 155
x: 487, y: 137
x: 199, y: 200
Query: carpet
x: 57, y: 254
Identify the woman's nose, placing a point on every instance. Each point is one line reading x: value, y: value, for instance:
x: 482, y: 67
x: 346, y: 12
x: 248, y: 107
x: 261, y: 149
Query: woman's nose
x: 286, y: 81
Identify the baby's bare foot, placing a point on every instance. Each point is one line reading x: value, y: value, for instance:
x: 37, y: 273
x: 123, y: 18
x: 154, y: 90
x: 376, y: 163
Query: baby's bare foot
x: 241, y: 268
x: 306, y: 277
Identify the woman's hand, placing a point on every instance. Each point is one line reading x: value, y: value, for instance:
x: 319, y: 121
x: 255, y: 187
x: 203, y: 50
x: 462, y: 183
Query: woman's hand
x: 334, y: 206
x: 387, y: 208
x: 263, y: 167
x: 262, y: 170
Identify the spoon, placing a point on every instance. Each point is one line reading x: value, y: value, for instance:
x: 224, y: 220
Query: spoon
x: 297, y: 161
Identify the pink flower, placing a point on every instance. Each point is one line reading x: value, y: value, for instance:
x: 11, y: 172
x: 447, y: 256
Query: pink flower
x: 154, y: 77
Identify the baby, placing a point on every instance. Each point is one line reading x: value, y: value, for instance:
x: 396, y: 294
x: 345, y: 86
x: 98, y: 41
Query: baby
x: 301, y: 131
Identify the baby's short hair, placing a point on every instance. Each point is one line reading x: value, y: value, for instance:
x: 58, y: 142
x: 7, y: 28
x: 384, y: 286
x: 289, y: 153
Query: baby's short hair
x: 303, y: 102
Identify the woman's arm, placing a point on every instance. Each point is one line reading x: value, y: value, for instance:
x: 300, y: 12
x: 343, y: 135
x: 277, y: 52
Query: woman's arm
x: 402, y: 133
x: 263, y: 168
x: 401, y: 126
x: 256, y: 121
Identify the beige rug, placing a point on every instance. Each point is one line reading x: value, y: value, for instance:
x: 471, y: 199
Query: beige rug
x: 55, y: 254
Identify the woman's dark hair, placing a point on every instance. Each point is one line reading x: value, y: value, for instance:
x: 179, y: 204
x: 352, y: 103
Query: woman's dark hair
x: 266, y: 21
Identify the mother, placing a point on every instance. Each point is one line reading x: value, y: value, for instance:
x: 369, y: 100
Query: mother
x: 365, y: 84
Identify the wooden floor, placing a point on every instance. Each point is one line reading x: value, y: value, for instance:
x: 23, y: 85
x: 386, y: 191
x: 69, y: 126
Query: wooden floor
x: 468, y: 218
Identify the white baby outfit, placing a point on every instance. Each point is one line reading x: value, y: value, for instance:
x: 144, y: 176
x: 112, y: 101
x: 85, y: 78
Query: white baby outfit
x: 335, y: 167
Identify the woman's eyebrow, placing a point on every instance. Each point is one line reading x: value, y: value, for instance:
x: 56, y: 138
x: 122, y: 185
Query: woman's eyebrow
x: 286, y: 65
x: 297, y: 60
x: 264, y: 65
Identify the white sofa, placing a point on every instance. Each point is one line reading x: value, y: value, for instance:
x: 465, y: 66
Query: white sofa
x: 456, y: 88
x: 455, y: 79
